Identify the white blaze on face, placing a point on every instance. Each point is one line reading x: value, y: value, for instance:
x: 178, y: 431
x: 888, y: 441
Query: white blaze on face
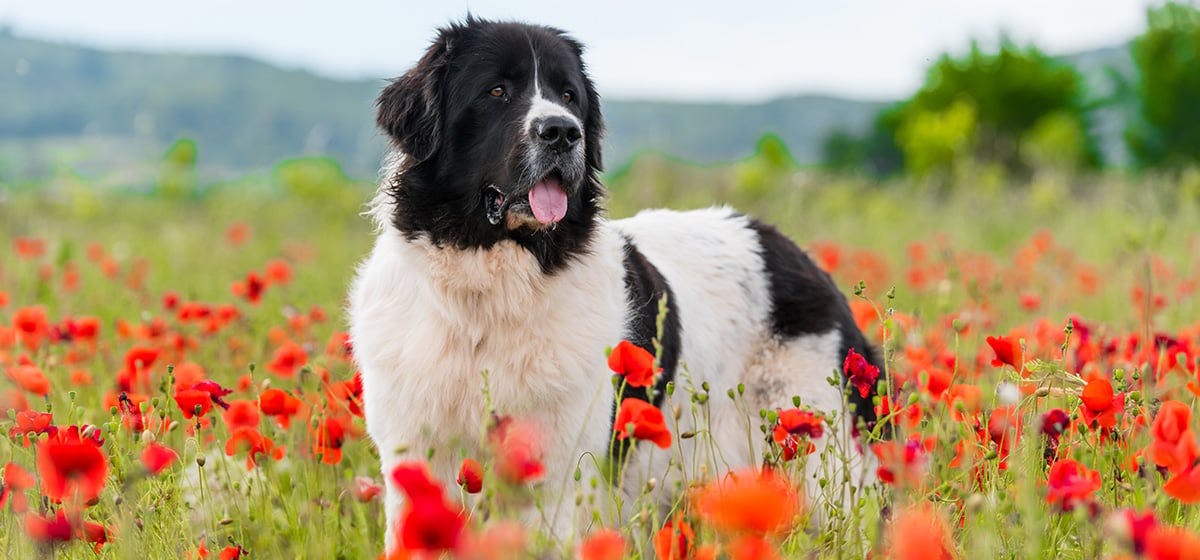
x: 540, y: 106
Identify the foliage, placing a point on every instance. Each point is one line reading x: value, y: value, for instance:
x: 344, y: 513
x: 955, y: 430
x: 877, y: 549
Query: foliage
x: 1168, y: 63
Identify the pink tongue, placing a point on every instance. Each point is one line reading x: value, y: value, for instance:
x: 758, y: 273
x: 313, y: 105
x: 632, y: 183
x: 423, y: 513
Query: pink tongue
x: 548, y: 201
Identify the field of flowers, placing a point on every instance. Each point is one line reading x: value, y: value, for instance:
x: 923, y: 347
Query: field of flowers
x: 178, y: 383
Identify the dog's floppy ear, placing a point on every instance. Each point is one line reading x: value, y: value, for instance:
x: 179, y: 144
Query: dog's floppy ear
x: 409, y: 109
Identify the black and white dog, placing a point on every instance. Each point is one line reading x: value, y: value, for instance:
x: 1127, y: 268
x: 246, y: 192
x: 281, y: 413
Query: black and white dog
x: 493, y: 255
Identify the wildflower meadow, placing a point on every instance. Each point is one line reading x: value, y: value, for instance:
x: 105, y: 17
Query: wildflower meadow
x: 178, y: 383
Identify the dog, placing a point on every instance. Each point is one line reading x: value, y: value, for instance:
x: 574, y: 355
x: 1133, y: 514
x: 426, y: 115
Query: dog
x: 494, y: 264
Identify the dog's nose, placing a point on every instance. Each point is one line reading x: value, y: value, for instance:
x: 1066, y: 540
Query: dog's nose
x: 557, y: 134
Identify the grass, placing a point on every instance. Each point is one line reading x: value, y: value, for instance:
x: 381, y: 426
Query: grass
x: 943, y: 270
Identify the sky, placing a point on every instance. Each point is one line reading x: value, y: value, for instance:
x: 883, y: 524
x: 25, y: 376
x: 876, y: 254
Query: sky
x: 732, y: 50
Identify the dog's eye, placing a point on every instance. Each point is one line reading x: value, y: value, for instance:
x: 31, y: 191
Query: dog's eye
x: 497, y: 91
x: 568, y: 97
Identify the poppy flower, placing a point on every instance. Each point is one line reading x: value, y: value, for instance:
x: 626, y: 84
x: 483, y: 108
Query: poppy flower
x: 241, y: 413
x: 752, y: 548
x: 56, y: 528
x: 339, y: 346
x: 1173, y: 446
x: 919, y: 533
x: 232, y: 552
x: 193, y: 402
x: 1008, y: 352
x: 634, y: 363
x: 32, y: 422
x: 366, y: 489
x: 1003, y: 429
x: 647, y: 421
x: 16, y: 481
x: 605, y: 544
x: 675, y: 540
x: 1070, y: 484
x: 30, y: 378
x: 749, y: 502
x: 32, y: 326
x: 347, y: 394
x: 795, y: 425
x: 518, y: 450
x: 328, y: 438
x: 156, y: 458
x: 429, y: 522
x: 287, y: 359
x: 1100, y: 405
x: 1185, y: 486
x: 254, y: 444
x: 1138, y: 525
x: 470, y: 476
x: 1171, y: 543
x: 903, y: 463
x: 278, y: 404
x: 251, y: 288
x: 278, y: 271
x: 860, y: 372
x: 71, y: 466
x: 215, y: 392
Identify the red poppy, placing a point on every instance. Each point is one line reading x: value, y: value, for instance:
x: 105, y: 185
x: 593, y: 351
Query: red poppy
x: 429, y: 522
x: 1140, y: 525
x: 752, y: 548
x: 32, y: 422
x: 241, y: 414
x: 795, y: 426
x: 518, y: 450
x: 633, y: 363
x: 675, y: 540
x: 605, y: 544
x: 156, y: 458
x: 280, y: 405
x: 49, y: 529
x: 193, y: 402
x: 16, y: 481
x: 71, y: 467
x: 215, y: 392
x: 328, y: 438
x: 251, y: 288
x: 647, y: 421
x: 1003, y: 429
x: 860, y: 372
x: 1172, y: 543
x: 470, y: 476
x: 347, y: 394
x: 254, y: 444
x: 287, y: 359
x: 1174, y: 444
x: 903, y: 463
x: 919, y: 533
x: 749, y: 502
x: 31, y: 326
x: 1100, y: 406
x: 1070, y: 484
x: 1008, y: 352
x: 339, y: 346
x: 1185, y: 486
x: 30, y: 378
x: 278, y: 271
x: 366, y: 489
x: 231, y: 552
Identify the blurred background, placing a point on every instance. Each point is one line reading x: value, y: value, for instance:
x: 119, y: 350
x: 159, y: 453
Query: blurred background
x: 894, y: 139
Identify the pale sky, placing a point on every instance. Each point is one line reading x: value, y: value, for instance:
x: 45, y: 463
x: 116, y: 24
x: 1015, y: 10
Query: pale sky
x: 697, y: 49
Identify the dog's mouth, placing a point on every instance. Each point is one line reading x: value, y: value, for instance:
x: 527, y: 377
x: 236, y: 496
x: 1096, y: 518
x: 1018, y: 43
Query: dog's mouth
x: 543, y: 205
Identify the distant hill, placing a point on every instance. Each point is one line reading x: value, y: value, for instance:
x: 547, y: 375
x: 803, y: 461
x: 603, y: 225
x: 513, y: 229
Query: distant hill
x: 108, y: 112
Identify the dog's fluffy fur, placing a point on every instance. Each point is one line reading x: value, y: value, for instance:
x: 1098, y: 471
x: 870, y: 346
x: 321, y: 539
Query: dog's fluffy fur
x: 465, y: 279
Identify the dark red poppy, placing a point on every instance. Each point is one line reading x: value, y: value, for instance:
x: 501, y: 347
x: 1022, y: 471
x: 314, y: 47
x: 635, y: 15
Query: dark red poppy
x: 633, y: 363
x: 646, y: 420
x: 860, y: 372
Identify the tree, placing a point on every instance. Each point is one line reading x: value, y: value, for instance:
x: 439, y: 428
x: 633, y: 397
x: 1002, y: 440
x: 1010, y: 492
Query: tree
x: 1167, y: 56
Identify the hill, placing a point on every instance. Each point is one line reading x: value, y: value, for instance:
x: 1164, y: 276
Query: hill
x: 103, y: 112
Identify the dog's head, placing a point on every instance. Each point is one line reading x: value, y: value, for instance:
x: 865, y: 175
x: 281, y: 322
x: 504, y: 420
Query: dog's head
x: 500, y: 129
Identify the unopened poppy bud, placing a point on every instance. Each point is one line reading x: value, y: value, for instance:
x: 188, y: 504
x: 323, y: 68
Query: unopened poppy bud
x: 650, y: 484
x: 200, y: 460
x: 147, y: 437
x: 1042, y: 391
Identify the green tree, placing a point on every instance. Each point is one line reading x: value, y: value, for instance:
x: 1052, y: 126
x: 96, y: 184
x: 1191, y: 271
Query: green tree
x: 988, y: 107
x: 1165, y: 131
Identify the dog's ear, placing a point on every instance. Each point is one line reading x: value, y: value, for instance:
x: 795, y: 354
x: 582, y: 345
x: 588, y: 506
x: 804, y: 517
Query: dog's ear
x: 409, y: 108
